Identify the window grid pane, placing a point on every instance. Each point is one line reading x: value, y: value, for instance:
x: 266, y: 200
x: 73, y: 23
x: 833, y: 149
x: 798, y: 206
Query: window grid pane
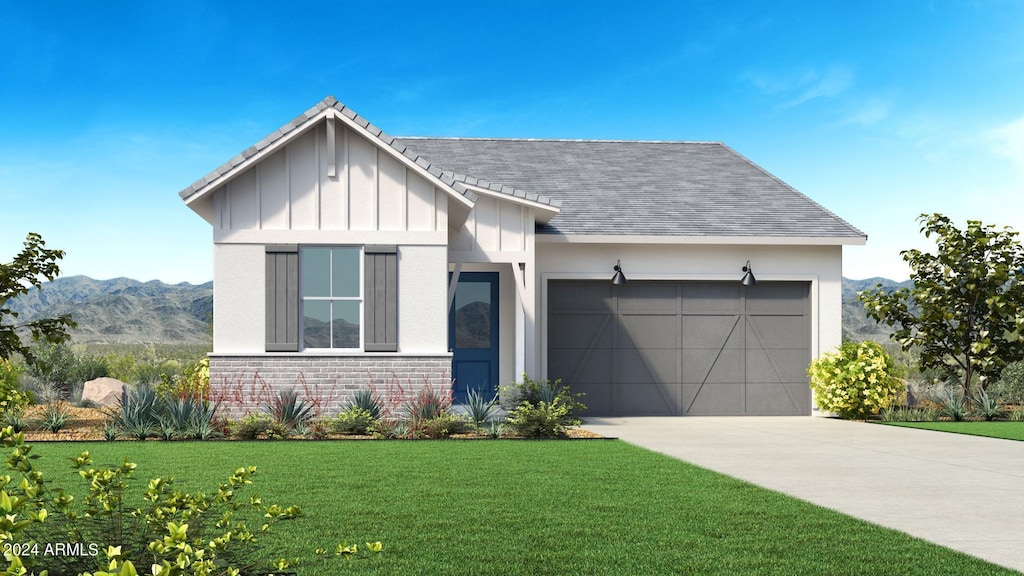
x: 331, y: 297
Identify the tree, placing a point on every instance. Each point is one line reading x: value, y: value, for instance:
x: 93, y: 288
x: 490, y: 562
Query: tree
x: 965, y: 311
x: 29, y: 268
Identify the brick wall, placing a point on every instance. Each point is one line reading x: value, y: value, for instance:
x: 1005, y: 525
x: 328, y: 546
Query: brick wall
x: 242, y: 384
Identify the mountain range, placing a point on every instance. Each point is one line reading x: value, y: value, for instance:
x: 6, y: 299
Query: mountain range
x: 123, y: 310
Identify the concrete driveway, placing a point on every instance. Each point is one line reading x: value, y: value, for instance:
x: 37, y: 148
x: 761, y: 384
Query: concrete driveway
x: 963, y: 492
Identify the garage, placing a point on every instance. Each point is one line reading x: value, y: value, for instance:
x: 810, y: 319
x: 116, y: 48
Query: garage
x: 681, y: 347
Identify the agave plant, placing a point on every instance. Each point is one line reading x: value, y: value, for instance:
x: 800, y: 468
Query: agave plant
x: 366, y: 400
x: 954, y: 405
x: 988, y: 406
x: 479, y: 409
x: 288, y: 409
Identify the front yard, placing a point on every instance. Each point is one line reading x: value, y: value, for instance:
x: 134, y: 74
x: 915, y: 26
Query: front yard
x: 527, y: 507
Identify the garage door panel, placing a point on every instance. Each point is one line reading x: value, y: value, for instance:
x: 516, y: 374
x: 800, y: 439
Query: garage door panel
x: 710, y: 297
x: 772, y: 398
x: 718, y: 399
x: 711, y: 332
x: 580, y: 365
x: 581, y: 297
x: 780, y: 365
x: 699, y: 348
x: 648, y: 297
x: 701, y: 366
x: 645, y: 365
x: 597, y: 396
x: 776, y: 298
x: 580, y: 331
x: 648, y: 399
x: 647, y: 331
x: 778, y: 332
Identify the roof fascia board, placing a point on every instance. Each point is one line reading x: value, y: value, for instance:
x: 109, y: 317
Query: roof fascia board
x: 729, y: 240
x: 546, y: 211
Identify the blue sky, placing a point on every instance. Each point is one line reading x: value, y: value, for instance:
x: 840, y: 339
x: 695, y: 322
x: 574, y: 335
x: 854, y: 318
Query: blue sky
x: 878, y: 110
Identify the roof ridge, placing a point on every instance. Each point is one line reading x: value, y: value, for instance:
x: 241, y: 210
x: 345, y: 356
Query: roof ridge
x: 581, y: 140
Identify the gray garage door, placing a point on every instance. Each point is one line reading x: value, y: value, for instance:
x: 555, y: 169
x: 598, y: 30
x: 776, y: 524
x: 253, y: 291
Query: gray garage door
x: 676, y: 348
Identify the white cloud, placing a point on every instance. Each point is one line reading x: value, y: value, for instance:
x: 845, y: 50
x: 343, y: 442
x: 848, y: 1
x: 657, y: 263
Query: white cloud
x: 872, y: 112
x: 1009, y: 141
x: 832, y: 83
x: 802, y: 87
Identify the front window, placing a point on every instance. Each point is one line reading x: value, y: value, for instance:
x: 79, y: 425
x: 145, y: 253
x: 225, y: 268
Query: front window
x: 331, y: 297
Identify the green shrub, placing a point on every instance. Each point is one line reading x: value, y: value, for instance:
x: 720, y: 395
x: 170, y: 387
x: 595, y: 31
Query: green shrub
x: 441, y: 426
x: 954, y: 404
x: 1010, y: 386
x: 856, y: 381
x: 542, y: 420
x: 11, y: 396
x: 172, y: 533
x: 353, y: 420
x: 250, y: 426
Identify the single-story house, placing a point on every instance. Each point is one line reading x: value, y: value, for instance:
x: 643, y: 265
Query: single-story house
x: 344, y: 256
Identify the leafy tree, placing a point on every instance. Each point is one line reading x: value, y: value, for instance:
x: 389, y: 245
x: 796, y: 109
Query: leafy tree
x: 29, y: 268
x: 965, y: 311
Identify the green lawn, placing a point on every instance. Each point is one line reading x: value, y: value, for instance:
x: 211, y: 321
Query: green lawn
x: 530, y: 507
x: 1007, y: 430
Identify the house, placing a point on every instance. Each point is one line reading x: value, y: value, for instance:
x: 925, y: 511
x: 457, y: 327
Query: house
x: 343, y: 255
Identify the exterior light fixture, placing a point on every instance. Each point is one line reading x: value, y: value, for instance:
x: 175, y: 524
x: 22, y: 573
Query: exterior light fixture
x: 748, y: 276
x: 619, y: 278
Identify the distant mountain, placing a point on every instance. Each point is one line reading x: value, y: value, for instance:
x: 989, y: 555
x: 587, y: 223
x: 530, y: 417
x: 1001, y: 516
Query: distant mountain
x: 856, y: 324
x: 122, y: 310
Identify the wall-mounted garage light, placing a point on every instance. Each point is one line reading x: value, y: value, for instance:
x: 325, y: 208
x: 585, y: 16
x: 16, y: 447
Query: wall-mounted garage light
x: 748, y: 276
x: 619, y: 278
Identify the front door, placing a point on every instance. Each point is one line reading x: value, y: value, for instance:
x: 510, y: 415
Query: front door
x: 473, y: 335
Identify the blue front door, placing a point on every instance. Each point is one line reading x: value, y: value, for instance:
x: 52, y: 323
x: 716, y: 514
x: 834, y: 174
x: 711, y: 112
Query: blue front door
x: 473, y: 335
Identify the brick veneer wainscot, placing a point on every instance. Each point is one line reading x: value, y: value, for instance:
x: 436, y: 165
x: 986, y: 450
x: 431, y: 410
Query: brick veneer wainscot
x: 243, y: 383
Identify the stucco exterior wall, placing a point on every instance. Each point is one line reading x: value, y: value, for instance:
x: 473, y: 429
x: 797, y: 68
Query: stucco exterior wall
x: 239, y: 293
x: 422, y: 299
x: 819, y: 265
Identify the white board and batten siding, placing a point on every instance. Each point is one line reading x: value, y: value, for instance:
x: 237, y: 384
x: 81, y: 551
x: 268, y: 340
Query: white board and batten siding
x: 289, y: 198
x: 495, y: 231
x: 371, y: 191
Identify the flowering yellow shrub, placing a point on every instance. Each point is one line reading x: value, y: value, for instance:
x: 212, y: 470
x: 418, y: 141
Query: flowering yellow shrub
x: 11, y: 396
x: 858, y: 380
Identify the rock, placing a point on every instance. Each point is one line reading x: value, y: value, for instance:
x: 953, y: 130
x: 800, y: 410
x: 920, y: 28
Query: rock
x: 103, y: 391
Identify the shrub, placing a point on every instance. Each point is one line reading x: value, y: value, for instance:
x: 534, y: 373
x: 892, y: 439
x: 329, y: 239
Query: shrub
x: 11, y: 396
x: 427, y: 404
x: 353, y: 420
x: 896, y: 414
x: 858, y: 380
x: 441, y: 426
x: 15, y: 418
x: 543, y: 409
x: 172, y: 532
x: 1010, y: 386
x: 250, y: 426
x: 389, y: 429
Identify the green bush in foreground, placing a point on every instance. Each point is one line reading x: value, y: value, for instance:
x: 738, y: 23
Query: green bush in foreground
x: 856, y: 381
x: 543, y: 409
x: 172, y: 533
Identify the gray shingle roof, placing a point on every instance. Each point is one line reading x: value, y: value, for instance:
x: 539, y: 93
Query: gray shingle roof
x: 640, y: 187
x: 456, y: 181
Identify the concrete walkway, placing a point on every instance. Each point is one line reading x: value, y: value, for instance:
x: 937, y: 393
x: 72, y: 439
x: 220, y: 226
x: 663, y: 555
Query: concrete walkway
x: 962, y: 492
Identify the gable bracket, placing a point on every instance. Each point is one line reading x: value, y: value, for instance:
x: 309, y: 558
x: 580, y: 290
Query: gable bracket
x: 332, y: 162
